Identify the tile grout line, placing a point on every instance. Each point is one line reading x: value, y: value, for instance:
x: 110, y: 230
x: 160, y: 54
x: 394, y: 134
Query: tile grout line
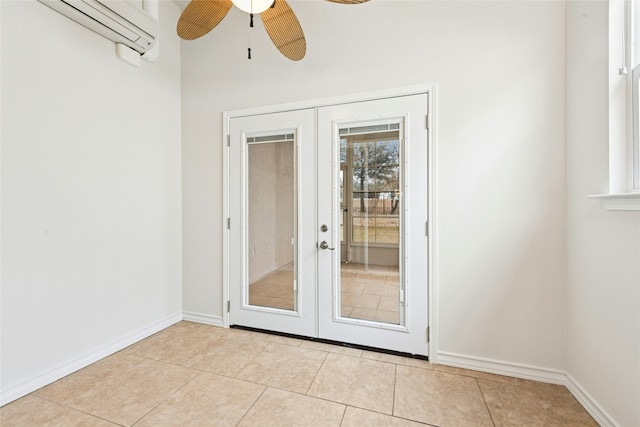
x: 344, y: 413
x: 120, y: 353
x: 395, y: 382
x: 178, y: 363
x: 166, y: 398
x: 306, y: 393
x: 352, y: 405
x: 220, y: 374
x: 412, y: 421
x: 251, y: 361
x: 485, y: 402
x: 72, y: 408
x: 253, y: 404
x: 347, y: 405
x: 141, y: 360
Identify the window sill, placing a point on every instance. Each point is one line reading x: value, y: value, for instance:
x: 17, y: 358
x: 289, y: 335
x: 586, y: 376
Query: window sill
x: 619, y: 201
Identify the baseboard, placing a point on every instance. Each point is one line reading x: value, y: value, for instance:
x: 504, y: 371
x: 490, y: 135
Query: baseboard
x: 589, y: 403
x: 502, y: 368
x: 40, y: 380
x: 205, y: 319
x: 531, y: 373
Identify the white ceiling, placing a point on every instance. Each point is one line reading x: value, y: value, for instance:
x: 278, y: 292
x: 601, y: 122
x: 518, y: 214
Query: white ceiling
x: 181, y: 3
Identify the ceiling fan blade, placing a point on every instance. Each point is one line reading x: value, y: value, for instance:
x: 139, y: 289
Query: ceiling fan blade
x: 348, y: 1
x: 285, y: 30
x: 201, y: 16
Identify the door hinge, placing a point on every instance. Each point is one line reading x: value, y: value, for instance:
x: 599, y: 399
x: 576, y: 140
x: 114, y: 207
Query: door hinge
x: 426, y: 227
x: 228, y: 223
x: 228, y: 306
x: 229, y: 140
x: 428, y: 334
x: 427, y: 122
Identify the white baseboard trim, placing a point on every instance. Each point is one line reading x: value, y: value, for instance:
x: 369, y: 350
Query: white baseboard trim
x: 585, y: 399
x: 530, y: 373
x: 40, y: 380
x: 502, y: 368
x: 205, y: 319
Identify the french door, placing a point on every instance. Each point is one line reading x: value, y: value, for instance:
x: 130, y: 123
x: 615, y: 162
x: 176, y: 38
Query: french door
x: 272, y: 216
x: 327, y: 222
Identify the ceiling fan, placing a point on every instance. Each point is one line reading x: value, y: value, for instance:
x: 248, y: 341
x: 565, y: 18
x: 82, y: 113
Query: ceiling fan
x: 202, y: 16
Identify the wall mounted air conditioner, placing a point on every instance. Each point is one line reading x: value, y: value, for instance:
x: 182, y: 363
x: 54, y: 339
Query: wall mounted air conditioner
x: 118, y: 20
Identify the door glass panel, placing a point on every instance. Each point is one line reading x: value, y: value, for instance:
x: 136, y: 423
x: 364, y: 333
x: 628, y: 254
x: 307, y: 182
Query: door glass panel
x: 370, y: 285
x: 271, y: 207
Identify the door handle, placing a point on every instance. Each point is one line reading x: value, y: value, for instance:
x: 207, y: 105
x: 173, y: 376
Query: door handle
x: 325, y: 245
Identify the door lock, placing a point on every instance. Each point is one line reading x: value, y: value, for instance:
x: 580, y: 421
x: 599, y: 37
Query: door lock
x: 325, y: 245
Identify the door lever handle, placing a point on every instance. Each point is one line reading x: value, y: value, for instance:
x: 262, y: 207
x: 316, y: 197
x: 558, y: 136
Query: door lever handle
x: 325, y: 245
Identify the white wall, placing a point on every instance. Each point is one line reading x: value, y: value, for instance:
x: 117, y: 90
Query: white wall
x: 91, y: 191
x: 91, y: 178
x: 500, y: 142
x: 603, y: 263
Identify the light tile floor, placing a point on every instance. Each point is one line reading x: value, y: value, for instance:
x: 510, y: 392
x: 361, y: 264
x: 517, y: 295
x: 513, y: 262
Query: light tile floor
x: 368, y: 292
x: 274, y: 290
x: 198, y: 375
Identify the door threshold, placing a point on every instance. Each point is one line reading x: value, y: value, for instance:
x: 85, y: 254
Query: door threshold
x: 331, y: 342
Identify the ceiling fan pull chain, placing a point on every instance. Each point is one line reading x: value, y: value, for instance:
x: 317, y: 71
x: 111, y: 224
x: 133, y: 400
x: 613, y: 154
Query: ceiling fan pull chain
x: 251, y: 20
x: 249, y: 38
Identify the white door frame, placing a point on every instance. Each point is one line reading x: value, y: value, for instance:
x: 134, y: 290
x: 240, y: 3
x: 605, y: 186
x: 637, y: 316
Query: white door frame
x: 431, y: 89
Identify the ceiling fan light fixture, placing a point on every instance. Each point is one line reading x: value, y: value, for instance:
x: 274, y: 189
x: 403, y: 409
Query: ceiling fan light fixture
x: 253, y: 6
x: 202, y: 16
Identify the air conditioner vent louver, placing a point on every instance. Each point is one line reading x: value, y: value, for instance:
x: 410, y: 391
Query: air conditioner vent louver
x: 117, y: 20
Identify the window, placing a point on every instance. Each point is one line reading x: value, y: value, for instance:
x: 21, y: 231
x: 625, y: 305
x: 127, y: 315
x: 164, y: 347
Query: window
x: 372, y: 161
x: 624, y: 107
x: 376, y: 191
